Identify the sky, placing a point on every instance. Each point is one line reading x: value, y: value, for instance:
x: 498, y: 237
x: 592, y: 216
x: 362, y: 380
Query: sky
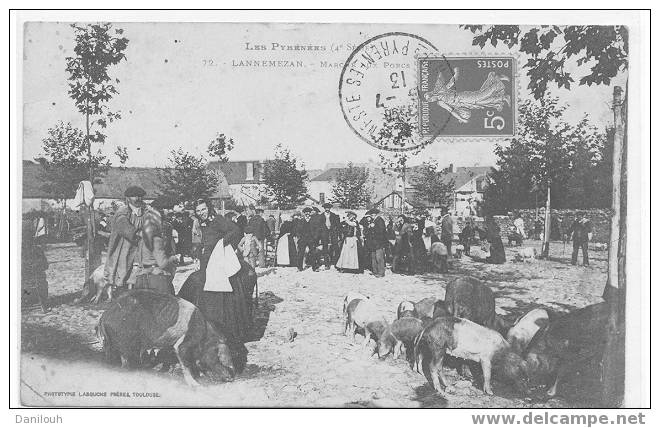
x: 183, y: 82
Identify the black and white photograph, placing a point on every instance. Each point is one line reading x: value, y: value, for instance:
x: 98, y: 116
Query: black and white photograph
x: 318, y: 213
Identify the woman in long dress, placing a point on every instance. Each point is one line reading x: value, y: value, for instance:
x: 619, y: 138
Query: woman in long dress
x: 349, y: 258
x: 230, y: 312
x: 286, y: 245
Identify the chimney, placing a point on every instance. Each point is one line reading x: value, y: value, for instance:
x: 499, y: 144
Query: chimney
x: 452, y: 169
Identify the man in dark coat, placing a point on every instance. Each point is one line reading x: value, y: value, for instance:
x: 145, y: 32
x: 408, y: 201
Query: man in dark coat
x: 331, y: 235
x: 580, y: 230
x: 307, y: 240
x: 241, y: 220
x: 446, y: 229
x: 376, y: 240
x: 261, y: 232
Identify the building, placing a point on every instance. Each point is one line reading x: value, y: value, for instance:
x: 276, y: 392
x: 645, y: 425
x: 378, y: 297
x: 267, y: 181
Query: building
x: 469, y: 185
x: 320, y: 187
x: 109, y: 189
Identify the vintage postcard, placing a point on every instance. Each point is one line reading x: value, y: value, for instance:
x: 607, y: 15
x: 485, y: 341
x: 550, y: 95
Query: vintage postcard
x: 272, y: 214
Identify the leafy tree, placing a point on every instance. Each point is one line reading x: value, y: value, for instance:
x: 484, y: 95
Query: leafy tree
x: 350, y: 189
x: 285, y: 179
x: 188, y: 177
x: 219, y: 147
x: 603, y: 48
x: 122, y: 154
x: 65, y: 163
x: 90, y: 86
x: 432, y: 184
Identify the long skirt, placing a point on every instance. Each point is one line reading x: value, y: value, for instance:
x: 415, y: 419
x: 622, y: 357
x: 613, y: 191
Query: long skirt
x: 286, y: 251
x: 349, y: 258
x: 229, y: 312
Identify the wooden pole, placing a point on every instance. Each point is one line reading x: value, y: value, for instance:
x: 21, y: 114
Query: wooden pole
x: 613, y: 367
x: 546, y: 229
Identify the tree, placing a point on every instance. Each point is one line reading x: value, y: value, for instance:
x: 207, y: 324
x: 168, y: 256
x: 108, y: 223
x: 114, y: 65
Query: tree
x: 188, y: 177
x: 397, y: 136
x: 65, y: 163
x: 285, y: 179
x: 432, y: 184
x: 604, y: 48
x: 219, y: 147
x: 91, y: 88
x: 350, y: 189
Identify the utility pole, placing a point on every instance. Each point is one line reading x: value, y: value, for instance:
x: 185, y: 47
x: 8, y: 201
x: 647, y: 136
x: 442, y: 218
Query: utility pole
x: 613, y: 368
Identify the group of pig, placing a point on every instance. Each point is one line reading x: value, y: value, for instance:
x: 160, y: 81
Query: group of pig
x: 539, y: 347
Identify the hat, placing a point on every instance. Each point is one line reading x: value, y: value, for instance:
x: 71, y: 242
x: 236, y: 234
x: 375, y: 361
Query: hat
x: 307, y: 210
x: 163, y: 202
x: 350, y: 213
x: 134, y: 191
x: 327, y: 205
x: 316, y: 209
x: 372, y: 211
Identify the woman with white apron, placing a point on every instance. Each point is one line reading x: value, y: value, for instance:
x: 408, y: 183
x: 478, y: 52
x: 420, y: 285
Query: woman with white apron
x: 349, y: 258
x: 286, y: 245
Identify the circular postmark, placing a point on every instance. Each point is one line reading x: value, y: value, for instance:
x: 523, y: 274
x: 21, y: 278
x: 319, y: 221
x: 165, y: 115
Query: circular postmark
x: 379, y: 92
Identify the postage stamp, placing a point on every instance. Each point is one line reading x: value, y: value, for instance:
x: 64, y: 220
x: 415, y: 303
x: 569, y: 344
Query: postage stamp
x: 467, y: 96
x: 379, y: 78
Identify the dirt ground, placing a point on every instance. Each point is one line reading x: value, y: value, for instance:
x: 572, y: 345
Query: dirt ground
x: 62, y: 363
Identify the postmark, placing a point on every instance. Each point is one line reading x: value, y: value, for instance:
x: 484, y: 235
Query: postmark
x: 378, y: 91
x: 467, y: 96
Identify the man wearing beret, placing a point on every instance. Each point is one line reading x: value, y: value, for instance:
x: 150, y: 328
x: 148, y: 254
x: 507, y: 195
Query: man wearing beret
x: 125, y: 230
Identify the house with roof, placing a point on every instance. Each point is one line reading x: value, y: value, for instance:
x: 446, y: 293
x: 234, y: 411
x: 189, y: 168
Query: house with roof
x: 108, y: 189
x: 320, y: 187
x: 469, y: 186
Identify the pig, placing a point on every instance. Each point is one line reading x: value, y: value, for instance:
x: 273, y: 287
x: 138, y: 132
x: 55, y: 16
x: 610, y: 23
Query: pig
x: 439, y: 257
x: 440, y: 309
x: 352, y: 296
x: 525, y: 327
x: 465, y: 339
x: 558, y: 349
x: 527, y: 254
x: 424, y: 308
x: 142, y: 320
x: 405, y: 309
x: 97, y: 282
x: 401, y: 333
x: 469, y: 298
x: 365, y: 315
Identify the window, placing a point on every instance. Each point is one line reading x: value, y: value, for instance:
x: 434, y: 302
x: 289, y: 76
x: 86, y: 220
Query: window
x: 249, y: 171
x: 322, y: 198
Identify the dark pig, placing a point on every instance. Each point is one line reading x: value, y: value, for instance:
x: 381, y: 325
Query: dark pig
x: 142, y: 320
x: 567, y: 342
x: 469, y: 298
x: 465, y: 339
x: 440, y: 309
x: 401, y: 333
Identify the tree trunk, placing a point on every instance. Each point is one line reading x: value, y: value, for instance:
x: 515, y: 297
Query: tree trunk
x: 613, y: 367
x: 546, y: 229
x: 93, y: 258
x: 403, y: 190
